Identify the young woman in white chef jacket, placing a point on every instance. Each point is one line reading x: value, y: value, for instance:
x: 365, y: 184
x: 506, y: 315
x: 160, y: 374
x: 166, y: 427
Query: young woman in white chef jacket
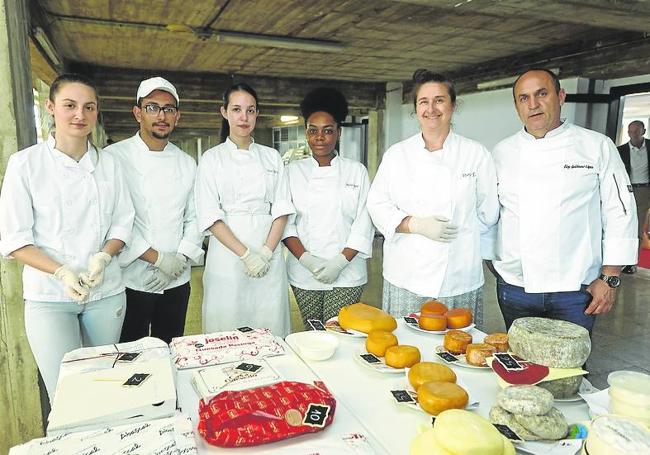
x: 433, y: 196
x: 65, y: 212
x: 330, y: 236
x: 242, y: 199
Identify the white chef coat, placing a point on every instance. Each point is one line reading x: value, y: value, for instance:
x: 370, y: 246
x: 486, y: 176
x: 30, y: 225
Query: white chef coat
x: 247, y: 189
x: 68, y: 209
x: 457, y: 182
x: 567, y: 208
x: 331, y: 214
x: 161, y: 184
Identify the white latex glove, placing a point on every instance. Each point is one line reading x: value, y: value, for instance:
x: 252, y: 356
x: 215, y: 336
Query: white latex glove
x: 172, y: 264
x: 312, y: 263
x: 332, y: 269
x: 266, y: 253
x: 96, y: 266
x: 433, y: 227
x: 158, y: 281
x: 256, y: 265
x: 72, y: 284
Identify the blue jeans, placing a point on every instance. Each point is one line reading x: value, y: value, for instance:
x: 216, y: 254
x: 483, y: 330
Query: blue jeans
x: 568, y: 306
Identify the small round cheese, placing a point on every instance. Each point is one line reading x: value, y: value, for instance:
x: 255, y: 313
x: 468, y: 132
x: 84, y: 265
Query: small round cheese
x: 503, y: 417
x: 525, y: 400
x: 466, y: 433
x: 402, y: 356
x: 433, y: 322
x: 457, y: 318
x: 380, y: 340
x: 433, y: 307
x: 436, y: 396
x: 551, y: 425
x: 430, y: 371
x: 456, y: 341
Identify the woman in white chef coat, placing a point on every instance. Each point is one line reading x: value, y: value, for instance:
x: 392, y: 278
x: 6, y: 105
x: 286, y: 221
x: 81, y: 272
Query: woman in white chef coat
x: 64, y: 213
x: 433, y: 196
x: 242, y: 199
x: 330, y: 236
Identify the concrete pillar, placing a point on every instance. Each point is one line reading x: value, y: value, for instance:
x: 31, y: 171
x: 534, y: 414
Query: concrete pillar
x: 19, y: 392
x: 376, y: 147
x: 393, y: 117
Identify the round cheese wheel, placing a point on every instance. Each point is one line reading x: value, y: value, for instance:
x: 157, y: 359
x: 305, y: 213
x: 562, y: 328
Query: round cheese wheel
x: 466, y: 433
x: 380, y: 340
x: 499, y: 340
x: 426, y: 444
x: 436, y: 396
x: 365, y: 318
x: 402, y: 356
x: 525, y: 400
x: 433, y: 307
x: 430, y: 371
x: 551, y: 426
x: 456, y: 341
x: 431, y: 321
x: 476, y: 353
x: 503, y: 417
x: 615, y: 435
x: 457, y: 318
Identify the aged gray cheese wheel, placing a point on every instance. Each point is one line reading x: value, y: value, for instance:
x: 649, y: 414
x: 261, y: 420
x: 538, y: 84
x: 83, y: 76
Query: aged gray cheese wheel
x: 550, y: 342
x: 527, y: 400
x: 503, y: 417
x: 563, y: 388
x: 552, y: 425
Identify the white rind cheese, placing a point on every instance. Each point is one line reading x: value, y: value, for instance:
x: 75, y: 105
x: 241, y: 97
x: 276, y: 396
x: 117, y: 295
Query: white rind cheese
x: 614, y: 435
x: 550, y: 342
x: 563, y: 388
x: 525, y: 400
x: 503, y: 417
x: 552, y: 425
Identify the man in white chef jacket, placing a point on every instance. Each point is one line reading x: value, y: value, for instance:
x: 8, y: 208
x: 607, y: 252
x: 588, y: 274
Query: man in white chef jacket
x: 160, y: 177
x: 568, y: 216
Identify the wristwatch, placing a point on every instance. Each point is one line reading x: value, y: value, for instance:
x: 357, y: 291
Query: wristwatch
x: 612, y: 281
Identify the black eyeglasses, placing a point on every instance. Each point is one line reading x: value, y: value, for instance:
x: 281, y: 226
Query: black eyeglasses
x: 154, y: 109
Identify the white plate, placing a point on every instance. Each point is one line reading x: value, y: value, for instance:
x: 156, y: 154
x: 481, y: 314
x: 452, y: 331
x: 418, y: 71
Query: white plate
x: 378, y: 367
x: 433, y: 332
x: 462, y: 362
x: 585, y: 387
x: 333, y: 326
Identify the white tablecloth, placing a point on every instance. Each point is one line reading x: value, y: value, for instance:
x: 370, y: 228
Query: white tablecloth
x: 367, y: 392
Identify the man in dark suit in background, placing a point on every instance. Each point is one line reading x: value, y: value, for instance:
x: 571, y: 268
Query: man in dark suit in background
x: 636, y: 156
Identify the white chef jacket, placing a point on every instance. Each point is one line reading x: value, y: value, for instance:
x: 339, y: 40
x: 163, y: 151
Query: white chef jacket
x: 68, y: 209
x: 567, y: 208
x: 161, y: 184
x: 331, y: 214
x: 457, y: 182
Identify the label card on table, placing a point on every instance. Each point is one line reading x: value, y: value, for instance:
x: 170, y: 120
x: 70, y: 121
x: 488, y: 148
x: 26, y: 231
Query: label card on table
x: 411, y: 320
x: 136, y: 380
x: 245, y: 329
x: 447, y: 356
x: 508, y: 361
x: 402, y: 396
x: 507, y: 432
x: 370, y: 358
x: 249, y: 367
x: 315, y: 324
x: 316, y: 415
x: 128, y: 356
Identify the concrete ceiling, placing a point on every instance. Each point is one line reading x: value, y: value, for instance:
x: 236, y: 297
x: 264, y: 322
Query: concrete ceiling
x: 198, y: 44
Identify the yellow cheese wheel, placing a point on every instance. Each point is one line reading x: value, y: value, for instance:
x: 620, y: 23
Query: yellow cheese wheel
x: 476, y: 353
x: 463, y: 432
x: 402, y: 356
x: 457, y: 318
x: 456, y: 341
x: 433, y: 306
x: 380, y: 340
x: 365, y: 318
x: 431, y: 321
x: 436, y: 396
x: 426, y: 444
x: 430, y: 371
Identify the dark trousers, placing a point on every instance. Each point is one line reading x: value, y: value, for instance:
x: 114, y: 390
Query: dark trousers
x: 567, y: 306
x: 164, y: 312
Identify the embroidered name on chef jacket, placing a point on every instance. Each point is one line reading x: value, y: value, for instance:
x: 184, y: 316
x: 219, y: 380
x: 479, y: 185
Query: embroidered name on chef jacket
x: 466, y: 175
x: 271, y: 171
x: 354, y: 186
x: 578, y: 166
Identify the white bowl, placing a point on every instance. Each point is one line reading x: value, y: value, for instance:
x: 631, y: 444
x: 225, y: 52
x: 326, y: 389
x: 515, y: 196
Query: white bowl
x: 315, y: 344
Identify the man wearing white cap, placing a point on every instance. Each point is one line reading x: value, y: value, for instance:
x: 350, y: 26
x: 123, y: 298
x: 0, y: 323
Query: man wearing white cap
x: 160, y: 177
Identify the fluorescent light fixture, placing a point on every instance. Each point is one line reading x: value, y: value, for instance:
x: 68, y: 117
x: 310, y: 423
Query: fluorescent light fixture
x: 47, y: 47
x: 298, y: 44
x: 505, y: 81
x: 288, y: 118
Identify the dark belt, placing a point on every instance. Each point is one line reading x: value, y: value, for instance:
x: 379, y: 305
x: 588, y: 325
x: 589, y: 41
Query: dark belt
x: 640, y: 185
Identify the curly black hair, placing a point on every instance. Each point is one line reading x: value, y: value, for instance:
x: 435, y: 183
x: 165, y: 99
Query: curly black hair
x: 325, y: 99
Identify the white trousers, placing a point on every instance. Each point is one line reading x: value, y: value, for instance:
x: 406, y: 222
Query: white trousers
x: 55, y: 328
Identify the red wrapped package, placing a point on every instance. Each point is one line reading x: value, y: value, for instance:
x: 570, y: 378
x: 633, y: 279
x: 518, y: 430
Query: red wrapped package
x: 265, y: 414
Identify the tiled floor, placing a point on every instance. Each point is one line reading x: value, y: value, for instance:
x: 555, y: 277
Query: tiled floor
x: 621, y: 339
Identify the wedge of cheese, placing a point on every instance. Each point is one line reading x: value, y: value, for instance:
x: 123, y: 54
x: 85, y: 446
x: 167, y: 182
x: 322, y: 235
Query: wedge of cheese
x: 365, y: 318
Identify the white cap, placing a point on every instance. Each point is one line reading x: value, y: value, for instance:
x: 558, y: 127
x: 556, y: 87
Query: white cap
x: 155, y: 83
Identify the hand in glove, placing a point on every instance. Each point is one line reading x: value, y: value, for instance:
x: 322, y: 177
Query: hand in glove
x: 158, y: 281
x: 332, y: 269
x: 72, y: 284
x: 312, y: 263
x: 433, y: 227
x: 256, y: 264
x: 96, y: 265
x: 171, y: 264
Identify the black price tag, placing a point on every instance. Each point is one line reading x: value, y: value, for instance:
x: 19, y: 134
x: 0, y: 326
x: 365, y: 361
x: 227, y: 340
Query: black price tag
x: 315, y: 324
x: 507, y: 432
x: 250, y: 367
x: 447, y: 356
x: 402, y: 396
x: 316, y: 415
x: 411, y: 320
x: 136, y: 380
x: 508, y: 361
x: 433, y: 420
x: 245, y: 329
x: 370, y: 358
x: 128, y: 356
